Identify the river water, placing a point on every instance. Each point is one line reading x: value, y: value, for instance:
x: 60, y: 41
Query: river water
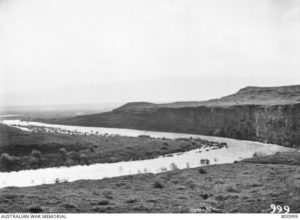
x: 237, y: 150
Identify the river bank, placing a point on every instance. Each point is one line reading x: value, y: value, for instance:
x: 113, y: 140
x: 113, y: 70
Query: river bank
x: 23, y: 150
x: 30, y: 145
x: 244, y: 187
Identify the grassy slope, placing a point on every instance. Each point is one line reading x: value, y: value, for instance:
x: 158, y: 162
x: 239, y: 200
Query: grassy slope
x: 96, y: 149
x: 242, y: 187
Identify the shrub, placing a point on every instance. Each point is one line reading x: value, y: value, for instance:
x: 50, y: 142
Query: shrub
x: 36, y: 158
x: 191, y: 183
x: 37, y: 154
x: 181, y: 188
x: 144, y: 136
x: 35, y: 209
x: 83, y: 159
x: 103, y: 202
x: 69, y: 206
x: 75, y: 156
x: 202, y: 171
x: 158, y: 184
x: 231, y: 188
x: 204, y: 196
x: 131, y: 200
x: 108, y: 193
x: 63, y: 154
x: 173, y: 166
x: 9, y: 162
x: 259, y: 154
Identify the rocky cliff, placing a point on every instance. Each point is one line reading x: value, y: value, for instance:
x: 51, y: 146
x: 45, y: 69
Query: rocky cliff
x: 271, y: 123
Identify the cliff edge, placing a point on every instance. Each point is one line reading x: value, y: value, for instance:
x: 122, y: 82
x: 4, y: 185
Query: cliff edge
x: 265, y: 114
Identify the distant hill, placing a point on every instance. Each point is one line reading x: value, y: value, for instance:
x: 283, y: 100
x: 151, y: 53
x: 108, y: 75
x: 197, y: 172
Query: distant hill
x: 262, y: 96
x: 247, y: 96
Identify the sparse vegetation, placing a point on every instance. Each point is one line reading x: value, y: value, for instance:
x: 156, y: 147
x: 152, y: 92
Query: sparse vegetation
x: 173, y: 166
x: 202, y: 170
x: 131, y: 200
x: 224, y: 188
x: 35, y: 209
x: 103, y: 202
x: 41, y: 150
x: 158, y: 183
x: 9, y: 162
x: 108, y: 193
x: 231, y: 188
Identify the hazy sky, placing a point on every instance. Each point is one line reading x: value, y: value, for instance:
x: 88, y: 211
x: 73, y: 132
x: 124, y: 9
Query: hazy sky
x: 48, y: 43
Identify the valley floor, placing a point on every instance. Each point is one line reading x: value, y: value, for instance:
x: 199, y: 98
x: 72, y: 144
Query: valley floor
x: 249, y: 186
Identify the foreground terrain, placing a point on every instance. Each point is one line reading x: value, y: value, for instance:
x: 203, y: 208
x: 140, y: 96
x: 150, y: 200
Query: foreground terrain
x: 249, y: 186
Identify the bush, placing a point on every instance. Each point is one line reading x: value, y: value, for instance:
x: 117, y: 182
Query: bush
x: 204, y: 196
x: 144, y: 136
x: 83, y: 159
x: 35, y: 209
x: 64, y: 154
x: 108, y: 193
x: 69, y: 206
x: 259, y: 154
x: 9, y: 162
x: 173, y: 166
x: 75, y: 156
x: 202, y: 171
x: 103, y: 202
x: 36, y: 159
x: 131, y: 200
x: 231, y: 188
x: 158, y: 184
x: 37, y: 154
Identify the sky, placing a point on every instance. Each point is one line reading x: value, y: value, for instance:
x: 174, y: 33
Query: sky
x: 45, y: 44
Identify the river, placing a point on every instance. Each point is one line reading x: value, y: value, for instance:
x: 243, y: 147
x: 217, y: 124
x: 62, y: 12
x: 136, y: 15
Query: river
x: 237, y: 150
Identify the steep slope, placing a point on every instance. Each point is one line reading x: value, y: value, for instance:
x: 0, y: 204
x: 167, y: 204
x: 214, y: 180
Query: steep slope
x: 261, y: 114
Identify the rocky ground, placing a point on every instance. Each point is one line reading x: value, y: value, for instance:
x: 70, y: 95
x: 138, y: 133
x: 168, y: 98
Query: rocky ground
x: 249, y: 186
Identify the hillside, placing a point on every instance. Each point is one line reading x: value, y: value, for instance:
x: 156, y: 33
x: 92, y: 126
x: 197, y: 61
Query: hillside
x: 246, y: 96
x: 263, y: 114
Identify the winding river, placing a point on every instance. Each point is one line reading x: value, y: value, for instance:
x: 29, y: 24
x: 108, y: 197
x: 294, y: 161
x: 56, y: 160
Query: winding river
x: 237, y: 150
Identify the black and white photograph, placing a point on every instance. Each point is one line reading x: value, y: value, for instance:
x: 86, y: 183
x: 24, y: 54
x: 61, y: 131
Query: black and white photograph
x: 149, y: 106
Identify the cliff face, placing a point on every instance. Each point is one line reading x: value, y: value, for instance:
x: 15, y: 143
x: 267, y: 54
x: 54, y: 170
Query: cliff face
x: 266, y: 114
x: 278, y: 124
